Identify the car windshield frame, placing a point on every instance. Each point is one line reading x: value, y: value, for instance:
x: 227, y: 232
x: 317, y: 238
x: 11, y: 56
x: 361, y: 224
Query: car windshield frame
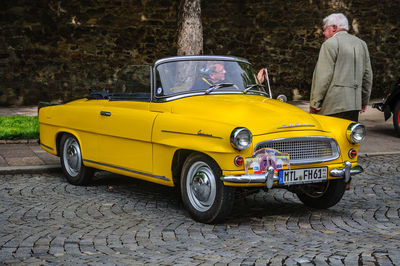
x: 253, y: 87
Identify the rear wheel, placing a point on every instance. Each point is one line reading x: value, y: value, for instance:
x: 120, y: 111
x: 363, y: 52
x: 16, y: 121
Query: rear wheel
x: 396, y: 118
x: 71, y: 161
x: 203, y: 193
x: 322, y: 196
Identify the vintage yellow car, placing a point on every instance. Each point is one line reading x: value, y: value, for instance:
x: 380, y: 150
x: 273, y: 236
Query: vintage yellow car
x: 206, y: 125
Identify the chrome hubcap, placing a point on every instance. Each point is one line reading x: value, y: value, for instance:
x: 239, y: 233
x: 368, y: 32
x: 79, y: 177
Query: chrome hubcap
x: 72, y: 157
x: 201, y: 186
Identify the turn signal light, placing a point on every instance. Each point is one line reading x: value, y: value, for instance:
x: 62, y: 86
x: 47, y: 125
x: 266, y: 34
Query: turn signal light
x: 352, y: 153
x: 239, y: 160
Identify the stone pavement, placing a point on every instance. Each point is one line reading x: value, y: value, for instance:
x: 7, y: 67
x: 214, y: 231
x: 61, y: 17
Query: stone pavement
x: 122, y: 221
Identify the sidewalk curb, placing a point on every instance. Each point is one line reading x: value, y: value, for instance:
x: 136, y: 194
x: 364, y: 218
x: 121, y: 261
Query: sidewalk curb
x: 18, y: 141
x: 31, y: 169
x: 381, y: 153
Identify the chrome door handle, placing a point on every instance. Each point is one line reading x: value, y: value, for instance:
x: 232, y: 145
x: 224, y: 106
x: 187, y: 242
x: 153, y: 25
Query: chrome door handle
x: 104, y: 113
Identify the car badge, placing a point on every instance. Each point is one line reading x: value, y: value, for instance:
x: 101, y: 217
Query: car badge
x: 296, y: 125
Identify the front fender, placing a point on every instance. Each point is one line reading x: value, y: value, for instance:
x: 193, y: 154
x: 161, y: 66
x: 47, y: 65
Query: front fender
x: 182, y: 131
x: 172, y: 132
x: 337, y: 127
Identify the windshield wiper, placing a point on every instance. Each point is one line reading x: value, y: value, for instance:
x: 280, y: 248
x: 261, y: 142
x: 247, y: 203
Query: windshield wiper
x: 218, y: 86
x: 251, y: 86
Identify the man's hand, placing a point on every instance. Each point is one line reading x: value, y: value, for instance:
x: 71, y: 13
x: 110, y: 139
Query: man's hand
x: 314, y: 110
x: 262, y: 75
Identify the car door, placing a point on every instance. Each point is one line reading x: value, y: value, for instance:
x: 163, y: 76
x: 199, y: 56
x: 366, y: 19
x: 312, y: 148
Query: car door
x: 125, y: 142
x: 126, y: 122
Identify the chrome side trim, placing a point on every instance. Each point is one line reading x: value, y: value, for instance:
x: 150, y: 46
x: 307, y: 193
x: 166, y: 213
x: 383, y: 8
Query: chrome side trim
x: 296, y: 125
x: 47, y: 147
x: 192, y: 134
x: 128, y: 170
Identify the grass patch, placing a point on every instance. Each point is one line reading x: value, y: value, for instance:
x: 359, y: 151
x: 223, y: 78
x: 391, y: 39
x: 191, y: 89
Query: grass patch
x: 19, y: 127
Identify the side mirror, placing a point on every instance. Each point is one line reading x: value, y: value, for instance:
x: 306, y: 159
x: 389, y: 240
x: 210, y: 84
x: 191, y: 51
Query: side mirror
x: 282, y: 98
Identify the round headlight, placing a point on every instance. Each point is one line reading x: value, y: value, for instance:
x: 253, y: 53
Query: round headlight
x: 241, y: 138
x: 356, y: 132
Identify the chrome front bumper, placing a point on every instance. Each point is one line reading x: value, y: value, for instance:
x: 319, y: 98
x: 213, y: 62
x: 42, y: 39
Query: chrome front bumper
x: 269, y: 177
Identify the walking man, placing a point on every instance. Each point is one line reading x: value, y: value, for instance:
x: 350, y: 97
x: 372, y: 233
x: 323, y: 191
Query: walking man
x: 342, y: 79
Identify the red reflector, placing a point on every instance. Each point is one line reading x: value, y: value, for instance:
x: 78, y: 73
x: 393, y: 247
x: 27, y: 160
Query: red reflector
x: 239, y: 160
x: 352, y: 153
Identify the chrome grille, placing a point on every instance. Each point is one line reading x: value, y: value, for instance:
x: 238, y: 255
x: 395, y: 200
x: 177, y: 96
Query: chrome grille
x: 304, y: 149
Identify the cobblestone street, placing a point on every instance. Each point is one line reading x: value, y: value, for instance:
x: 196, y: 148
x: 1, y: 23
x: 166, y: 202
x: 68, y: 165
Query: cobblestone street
x: 118, y: 220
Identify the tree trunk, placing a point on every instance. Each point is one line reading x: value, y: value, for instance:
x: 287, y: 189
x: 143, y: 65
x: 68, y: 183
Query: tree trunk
x: 190, y: 29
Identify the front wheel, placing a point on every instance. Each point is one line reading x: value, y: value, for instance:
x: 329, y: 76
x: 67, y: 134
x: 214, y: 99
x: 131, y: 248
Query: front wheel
x: 71, y: 161
x: 396, y: 118
x: 203, y: 193
x: 322, y: 196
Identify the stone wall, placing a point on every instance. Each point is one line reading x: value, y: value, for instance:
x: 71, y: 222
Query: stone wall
x: 57, y: 49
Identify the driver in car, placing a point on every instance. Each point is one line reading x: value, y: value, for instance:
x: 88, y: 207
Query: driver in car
x: 213, y: 74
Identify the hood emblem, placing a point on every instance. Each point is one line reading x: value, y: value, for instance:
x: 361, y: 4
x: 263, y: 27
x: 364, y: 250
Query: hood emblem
x: 296, y: 125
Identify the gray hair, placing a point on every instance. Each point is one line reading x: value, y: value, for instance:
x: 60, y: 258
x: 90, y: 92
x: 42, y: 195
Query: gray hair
x: 337, y: 19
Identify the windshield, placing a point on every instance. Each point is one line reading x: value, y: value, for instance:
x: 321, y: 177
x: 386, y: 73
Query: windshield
x: 205, y: 77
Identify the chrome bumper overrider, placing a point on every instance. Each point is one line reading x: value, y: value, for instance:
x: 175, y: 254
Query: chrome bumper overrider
x: 347, y: 171
x: 269, y: 177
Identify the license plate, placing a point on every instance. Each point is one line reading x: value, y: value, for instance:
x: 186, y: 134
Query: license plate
x: 301, y: 176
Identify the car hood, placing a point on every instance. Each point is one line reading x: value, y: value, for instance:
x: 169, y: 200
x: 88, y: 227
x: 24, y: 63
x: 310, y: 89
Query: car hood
x: 259, y: 114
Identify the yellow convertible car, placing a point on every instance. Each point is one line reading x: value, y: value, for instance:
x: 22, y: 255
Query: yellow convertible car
x: 206, y: 125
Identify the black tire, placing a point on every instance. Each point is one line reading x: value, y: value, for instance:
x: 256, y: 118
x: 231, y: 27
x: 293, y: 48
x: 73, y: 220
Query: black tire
x: 203, y: 192
x: 71, y: 161
x: 322, y: 196
x: 396, y: 118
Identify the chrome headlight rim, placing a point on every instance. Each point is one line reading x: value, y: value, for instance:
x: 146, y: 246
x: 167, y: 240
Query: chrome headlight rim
x: 353, y: 134
x: 238, y: 136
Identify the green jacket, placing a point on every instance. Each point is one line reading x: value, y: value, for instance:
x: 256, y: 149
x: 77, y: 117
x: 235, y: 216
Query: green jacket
x: 342, y: 78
